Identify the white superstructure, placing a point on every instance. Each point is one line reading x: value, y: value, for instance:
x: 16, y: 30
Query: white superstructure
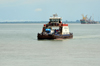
x: 65, y: 29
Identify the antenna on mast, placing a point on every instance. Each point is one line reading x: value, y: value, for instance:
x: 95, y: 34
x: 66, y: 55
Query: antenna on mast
x: 55, y: 15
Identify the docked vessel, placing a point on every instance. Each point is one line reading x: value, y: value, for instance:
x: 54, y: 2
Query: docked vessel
x: 55, y: 29
x: 85, y: 20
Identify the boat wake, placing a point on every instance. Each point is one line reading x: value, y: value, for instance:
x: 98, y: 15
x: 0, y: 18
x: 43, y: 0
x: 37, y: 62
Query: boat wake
x: 86, y: 36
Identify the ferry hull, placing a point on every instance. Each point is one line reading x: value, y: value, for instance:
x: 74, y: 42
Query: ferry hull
x: 41, y: 36
x: 88, y: 22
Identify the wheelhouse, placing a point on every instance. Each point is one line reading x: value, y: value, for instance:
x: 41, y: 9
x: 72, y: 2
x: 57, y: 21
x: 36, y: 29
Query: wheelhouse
x: 55, y: 19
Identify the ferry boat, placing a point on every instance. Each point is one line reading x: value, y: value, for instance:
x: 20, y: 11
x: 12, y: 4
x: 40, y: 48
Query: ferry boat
x: 55, y: 29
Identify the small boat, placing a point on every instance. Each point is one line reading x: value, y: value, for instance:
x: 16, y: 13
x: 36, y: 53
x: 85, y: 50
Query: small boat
x: 55, y: 29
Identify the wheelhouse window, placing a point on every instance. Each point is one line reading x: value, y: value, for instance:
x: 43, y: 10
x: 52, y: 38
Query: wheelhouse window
x: 54, y: 20
x: 51, y: 20
x: 59, y: 19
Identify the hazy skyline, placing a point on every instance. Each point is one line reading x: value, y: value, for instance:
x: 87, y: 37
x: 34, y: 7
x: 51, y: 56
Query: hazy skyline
x: 41, y: 10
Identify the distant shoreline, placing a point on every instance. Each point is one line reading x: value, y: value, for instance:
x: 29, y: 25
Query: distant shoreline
x: 38, y: 22
x: 77, y: 21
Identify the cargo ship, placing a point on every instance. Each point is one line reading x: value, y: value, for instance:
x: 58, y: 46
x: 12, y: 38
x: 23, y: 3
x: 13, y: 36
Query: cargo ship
x: 85, y: 20
x: 55, y: 29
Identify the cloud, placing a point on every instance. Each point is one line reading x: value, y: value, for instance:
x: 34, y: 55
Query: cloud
x: 38, y: 9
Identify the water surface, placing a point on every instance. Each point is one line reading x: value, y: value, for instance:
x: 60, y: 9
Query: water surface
x: 19, y: 46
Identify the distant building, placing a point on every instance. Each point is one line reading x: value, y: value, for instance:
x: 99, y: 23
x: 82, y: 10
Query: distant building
x: 77, y: 20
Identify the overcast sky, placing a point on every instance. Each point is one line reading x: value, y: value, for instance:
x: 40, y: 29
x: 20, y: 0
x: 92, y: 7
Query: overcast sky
x: 41, y: 10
